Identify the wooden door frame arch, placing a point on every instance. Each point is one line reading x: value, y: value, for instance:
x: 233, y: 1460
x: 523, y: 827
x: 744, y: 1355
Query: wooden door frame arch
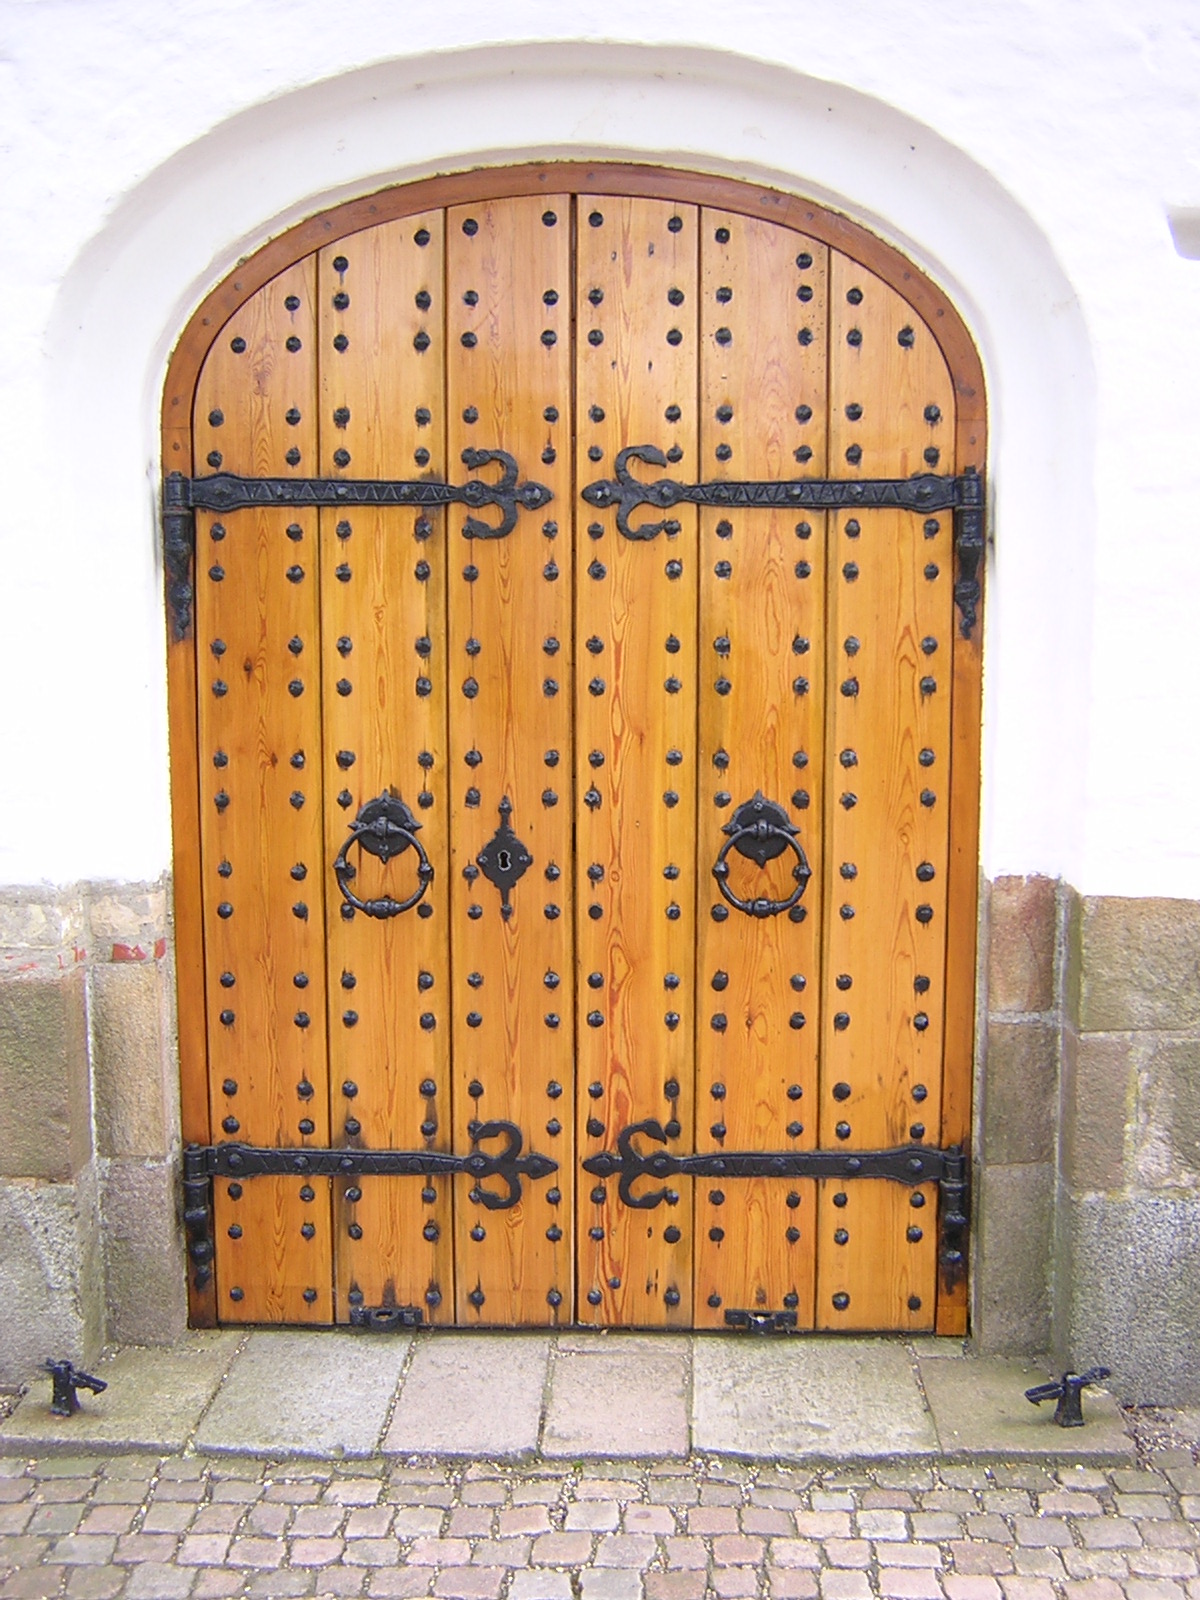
x: 928, y: 301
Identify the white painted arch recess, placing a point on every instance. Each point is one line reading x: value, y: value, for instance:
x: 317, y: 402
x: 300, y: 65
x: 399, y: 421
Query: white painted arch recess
x: 1055, y: 359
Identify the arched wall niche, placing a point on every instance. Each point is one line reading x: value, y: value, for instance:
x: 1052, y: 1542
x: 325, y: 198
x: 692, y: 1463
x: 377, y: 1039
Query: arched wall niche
x: 133, y: 287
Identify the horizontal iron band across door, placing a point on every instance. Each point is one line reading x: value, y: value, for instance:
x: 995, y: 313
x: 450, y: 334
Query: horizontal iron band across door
x: 226, y: 491
x: 910, y: 1164
x: 203, y: 1163
x: 926, y: 492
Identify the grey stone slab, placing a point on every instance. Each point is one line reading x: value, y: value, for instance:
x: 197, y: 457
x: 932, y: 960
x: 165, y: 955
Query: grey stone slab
x: 1131, y: 1290
x: 1013, y: 1256
x: 829, y: 1399
x: 979, y: 1408
x: 1134, y: 964
x: 51, y: 1275
x: 153, y: 1401
x: 625, y: 1397
x: 471, y: 1394
x: 293, y: 1392
x: 144, y: 1266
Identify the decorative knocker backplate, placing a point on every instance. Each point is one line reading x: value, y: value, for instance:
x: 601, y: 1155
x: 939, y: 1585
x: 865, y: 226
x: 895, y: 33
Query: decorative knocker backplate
x: 760, y: 830
x: 383, y: 828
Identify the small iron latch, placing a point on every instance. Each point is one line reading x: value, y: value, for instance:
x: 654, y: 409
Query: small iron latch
x: 1068, y: 1391
x: 762, y: 1321
x: 386, y: 1319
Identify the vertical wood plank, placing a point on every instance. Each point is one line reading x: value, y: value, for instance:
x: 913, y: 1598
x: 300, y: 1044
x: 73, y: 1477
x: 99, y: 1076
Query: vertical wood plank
x: 890, y: 627
x: 257, y: 622
x: 383, y: 589
x: 636, y: 383
x: 761, y: 697
x: 508, y: 289
x: 963, y: 868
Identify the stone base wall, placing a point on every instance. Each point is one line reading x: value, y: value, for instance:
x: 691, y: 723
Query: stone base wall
x: 1086, y: 1227
x: 1127, y: 1249
x: 90, y: 1241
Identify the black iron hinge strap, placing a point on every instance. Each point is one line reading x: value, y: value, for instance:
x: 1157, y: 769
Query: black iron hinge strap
x: 508, y: 1164
x: 926, y: 492
x: 911, y: 1164
x: 226, y: 491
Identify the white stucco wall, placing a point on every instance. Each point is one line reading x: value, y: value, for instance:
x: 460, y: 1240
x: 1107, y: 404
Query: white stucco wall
x: 1026, y: 155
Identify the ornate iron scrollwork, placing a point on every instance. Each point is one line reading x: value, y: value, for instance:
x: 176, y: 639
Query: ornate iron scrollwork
x: 504, y: 860
x: 225, y: 491
x: 508, y: 1164
x: 383, y: 828
x: 911, y: 1164
x: 925, y: 492
x: 760, y: 830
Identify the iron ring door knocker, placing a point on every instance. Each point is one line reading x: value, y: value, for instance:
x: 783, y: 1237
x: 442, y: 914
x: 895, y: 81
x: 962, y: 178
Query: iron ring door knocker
x: 383, y: 828
x: 760, y: 830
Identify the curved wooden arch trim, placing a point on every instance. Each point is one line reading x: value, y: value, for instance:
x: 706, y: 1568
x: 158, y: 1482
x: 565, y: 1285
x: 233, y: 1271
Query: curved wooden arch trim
x: 930, y: 303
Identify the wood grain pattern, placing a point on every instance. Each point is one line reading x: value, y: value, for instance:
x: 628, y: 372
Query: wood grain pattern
x: 636, y: 311
x: 257, y: 619
x: 890, y: 611
x: 383, y: 594
x: 385, y: 603
x: 762, y: 684
x: 508, y: 287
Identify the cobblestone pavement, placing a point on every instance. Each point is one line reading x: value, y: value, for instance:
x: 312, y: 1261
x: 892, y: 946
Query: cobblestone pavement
x: 154, y: 1528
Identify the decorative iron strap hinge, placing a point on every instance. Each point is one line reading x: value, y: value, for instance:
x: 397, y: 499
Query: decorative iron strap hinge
x: 225, y: 491
x: 927, y: 492
x: 202, y: 1163
x: 911, y: 1164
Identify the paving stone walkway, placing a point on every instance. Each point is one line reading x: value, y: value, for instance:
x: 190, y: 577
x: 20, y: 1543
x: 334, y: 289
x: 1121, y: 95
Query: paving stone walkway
x: 151, y: 1527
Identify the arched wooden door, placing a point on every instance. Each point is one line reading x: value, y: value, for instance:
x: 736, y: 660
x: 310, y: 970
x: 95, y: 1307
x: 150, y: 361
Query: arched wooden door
x: 576, y: 718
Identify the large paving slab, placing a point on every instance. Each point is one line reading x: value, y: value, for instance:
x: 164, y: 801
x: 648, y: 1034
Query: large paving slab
x: 825, y: 1399
x: 153, y: 1401
x: 619, y: 1397
x: 307, y: 1394
x: 471, y: 1394
x: 979, y: 1409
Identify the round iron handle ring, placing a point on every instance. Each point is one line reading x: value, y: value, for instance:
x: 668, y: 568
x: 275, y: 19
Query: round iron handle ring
x: 384, y: 905
x: 761, y: 906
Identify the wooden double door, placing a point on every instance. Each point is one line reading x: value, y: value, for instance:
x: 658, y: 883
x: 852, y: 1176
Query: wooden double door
x: 573, y: 856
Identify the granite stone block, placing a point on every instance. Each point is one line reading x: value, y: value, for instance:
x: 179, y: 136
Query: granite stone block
x: 1021, y: 944
x: 1131, y: 1298
x: 1019, y: 1092
x: 1135, y: 964
x: 45, y: 1098
x: 1099, y: 1092
x: 1014, y: 1239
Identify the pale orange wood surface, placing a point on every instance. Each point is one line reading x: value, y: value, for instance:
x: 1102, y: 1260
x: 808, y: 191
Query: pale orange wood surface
x: 892, y: 438
x: 637, y: 298
x: 508, y: 286
x: 763, y: 381
x: 928, y: 299
x: 891, y: 577
x: 188, y: 903
x: 257, y: 623
x: 383, y: 619
x: 963, y: 868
